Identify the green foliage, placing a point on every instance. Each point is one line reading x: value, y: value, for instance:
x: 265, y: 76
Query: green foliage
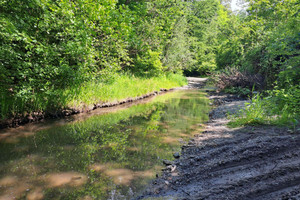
x: 149, y: 65
x: 266, y: 41
x: 48, y: 48
x: 281, y: 107
x: 289, y: 98
x: 203, y: 19
x: 122, y: 87
x: 253, y: 114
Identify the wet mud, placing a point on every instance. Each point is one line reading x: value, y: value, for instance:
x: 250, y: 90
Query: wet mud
x: 223, y: 163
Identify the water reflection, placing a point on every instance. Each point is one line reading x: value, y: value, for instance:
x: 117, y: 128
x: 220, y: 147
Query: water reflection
x: 107, y: 156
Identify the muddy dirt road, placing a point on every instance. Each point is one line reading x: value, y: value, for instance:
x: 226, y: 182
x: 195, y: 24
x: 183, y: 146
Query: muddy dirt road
x: 242, y: 163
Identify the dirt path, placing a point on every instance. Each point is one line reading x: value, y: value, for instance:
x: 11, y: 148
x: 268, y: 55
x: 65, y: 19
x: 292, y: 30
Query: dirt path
x: 242, y: 163
x: 195, y: 83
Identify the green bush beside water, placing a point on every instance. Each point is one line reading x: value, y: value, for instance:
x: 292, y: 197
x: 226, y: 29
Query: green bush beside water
x: 279, y: 107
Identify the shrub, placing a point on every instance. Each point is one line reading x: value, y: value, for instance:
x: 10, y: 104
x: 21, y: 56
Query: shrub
x: 279, y: 108
x: 148, y: 65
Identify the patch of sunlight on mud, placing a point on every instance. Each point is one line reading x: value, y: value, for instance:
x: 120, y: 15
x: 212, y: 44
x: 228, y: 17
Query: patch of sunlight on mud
x: 8, y: 181
x: 72, y: 179
x: 36, y: 194
x: 133, y: 149
x: 98, y: 167
x: 184, y: 135
x: 170, y: 140
x: 15, y: 191
x: 123, y: 176
x: 120, y: 176
x: 144, y: 174
x: 24, y: 180
x: 15, y: 137
x: 196, y: 131
x: 87, y: 197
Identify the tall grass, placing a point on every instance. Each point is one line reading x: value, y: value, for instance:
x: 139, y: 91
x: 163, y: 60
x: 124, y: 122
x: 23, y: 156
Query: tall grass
x: 265, y: 111
x: 120, y: 86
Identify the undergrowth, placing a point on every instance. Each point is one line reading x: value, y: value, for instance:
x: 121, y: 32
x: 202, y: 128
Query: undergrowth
x: 280, y: 107
x: 78, y: 96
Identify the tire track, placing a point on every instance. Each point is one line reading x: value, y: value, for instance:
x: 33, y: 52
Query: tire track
x: 261, y: 163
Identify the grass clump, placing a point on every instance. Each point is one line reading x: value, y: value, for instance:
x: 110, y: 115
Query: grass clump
x: 280, y: 107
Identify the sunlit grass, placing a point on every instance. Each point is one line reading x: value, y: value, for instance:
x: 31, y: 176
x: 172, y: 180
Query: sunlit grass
x: 86, y: 94
x: 263, y: 111
x: 123, y: 87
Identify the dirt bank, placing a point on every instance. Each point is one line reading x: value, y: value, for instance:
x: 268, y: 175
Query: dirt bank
x: 223, y: 163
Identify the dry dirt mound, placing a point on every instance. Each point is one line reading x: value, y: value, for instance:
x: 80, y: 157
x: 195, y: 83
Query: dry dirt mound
x: 222, y: 163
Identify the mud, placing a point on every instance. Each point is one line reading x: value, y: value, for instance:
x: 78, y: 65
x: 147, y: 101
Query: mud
x: 242, y: 163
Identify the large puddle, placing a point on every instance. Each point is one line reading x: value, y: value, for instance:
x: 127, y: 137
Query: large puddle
x: 107, y: 154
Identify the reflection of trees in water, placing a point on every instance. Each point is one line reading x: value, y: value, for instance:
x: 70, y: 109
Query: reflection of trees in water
x: 182, y: 113
x: 114, y: 150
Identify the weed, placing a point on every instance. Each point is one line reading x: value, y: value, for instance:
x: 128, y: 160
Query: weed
x: 264, y: 111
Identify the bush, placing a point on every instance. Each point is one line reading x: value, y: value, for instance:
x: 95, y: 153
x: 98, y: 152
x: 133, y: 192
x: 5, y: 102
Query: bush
x: 281, y: 107
x: 148, y: 65
x: 289, y: 98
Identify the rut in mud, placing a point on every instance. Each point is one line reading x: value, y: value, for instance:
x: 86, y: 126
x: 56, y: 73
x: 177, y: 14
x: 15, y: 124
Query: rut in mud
x: 243, y: 163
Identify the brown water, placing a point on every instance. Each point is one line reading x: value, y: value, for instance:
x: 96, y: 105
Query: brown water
x: 107, y: 154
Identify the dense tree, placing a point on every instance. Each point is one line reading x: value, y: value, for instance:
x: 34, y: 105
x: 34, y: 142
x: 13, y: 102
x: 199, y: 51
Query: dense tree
x: 48, y: 45
x: 263, y: 48
x: 266, y: 41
